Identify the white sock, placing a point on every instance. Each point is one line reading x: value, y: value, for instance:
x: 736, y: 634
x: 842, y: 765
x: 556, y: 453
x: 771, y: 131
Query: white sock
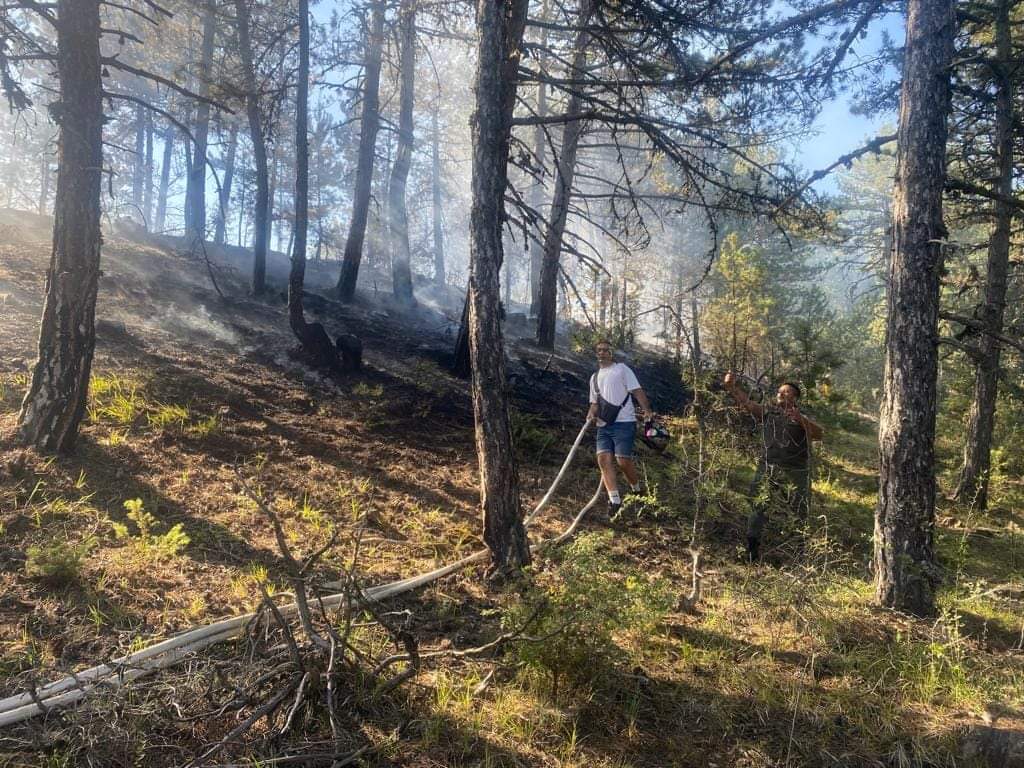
x: 614, y: 498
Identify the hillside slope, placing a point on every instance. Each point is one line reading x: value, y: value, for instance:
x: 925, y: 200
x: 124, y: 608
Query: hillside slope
x: 783, y: 664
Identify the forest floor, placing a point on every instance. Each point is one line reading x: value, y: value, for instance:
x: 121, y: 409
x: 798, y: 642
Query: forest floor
x: 784, y: 663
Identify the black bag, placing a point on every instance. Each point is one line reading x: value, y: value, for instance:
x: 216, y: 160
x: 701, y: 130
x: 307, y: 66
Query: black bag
x: 607, y: 412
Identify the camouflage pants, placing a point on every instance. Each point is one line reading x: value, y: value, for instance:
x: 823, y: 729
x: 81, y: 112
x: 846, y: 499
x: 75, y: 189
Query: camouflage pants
x: 773, y: 483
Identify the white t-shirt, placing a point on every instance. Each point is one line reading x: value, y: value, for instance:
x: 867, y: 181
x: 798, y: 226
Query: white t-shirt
x: 614, y: 382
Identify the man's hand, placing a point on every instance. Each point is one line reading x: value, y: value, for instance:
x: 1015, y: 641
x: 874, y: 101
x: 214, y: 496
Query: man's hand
x: 793, y: 414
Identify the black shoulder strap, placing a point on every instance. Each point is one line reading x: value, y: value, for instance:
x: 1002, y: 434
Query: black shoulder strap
x: 626, y: 387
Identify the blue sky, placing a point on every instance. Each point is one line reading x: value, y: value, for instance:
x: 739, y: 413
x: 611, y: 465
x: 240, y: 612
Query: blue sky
x: 839, y: 130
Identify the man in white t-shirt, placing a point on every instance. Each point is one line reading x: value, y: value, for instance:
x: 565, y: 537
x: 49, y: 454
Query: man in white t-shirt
x: 612, y: 390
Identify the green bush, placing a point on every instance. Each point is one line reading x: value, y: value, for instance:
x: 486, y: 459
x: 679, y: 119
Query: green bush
x: 579, y: 606
x: 164, y: 545
x: 59, y: 563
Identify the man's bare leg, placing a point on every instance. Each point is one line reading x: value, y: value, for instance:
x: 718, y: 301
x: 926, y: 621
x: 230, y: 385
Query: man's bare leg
x: 608, y: 475
x: 628, y: 467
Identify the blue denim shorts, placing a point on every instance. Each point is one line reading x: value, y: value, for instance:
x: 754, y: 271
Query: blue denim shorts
x: 617, y: 438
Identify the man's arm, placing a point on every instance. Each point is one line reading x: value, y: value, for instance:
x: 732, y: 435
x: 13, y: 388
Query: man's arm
x: 592, y: 411
x: 645, y: 404
x: 742, y: 398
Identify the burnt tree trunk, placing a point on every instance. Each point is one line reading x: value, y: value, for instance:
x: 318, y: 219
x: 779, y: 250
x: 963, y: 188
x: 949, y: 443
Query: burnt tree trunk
x: 165, y: 181
x: 259, y: 150
x: 346, y: 288
x: 435, y: 183
x: 195, y: 191
x: 547, y: 309
x: 220, y: 230
x: 461, y: 366
x: 398, y: 214
x: 974, y: 476
x: 55, y: 403
x: 500, y: 28
x: 905, y: 516
x: 314, y: 339
x: 297, y: 274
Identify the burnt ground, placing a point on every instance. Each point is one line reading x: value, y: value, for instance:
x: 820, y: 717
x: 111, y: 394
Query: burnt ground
x: 191, y: 389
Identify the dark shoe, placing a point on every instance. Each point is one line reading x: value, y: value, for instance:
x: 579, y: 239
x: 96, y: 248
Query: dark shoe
x: 613, y: 510
x: 753, y: 546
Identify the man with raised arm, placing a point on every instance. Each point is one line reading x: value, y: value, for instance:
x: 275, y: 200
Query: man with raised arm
x: 612, y: 390
x: 784, y: 464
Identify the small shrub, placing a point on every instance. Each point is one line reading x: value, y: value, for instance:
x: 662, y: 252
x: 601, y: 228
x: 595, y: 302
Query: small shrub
x: 531, y: 439
x: 163, y: 545
x: 580, y: 605
x: 59, y: 563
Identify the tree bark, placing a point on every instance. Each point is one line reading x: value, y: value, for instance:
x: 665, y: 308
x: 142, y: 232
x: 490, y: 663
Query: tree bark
x: 398, y: 215
x: 346, y: 288
x: 165, y: 181
x: 435, y: 183
x: 259, y: 150
x: 905, y: 569
x: 55, y: 403
x: 195, y: 192
x: 500, y: 26
x: 548, y: 293
x: 974, y: 476
x: 220, y: 230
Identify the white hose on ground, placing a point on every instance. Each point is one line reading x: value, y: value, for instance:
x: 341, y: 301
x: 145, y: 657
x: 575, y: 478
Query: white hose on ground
x: 166, y: 653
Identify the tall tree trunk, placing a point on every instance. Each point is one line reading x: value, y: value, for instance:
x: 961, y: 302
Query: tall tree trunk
x: 147, y: 190
x: 548, y: 295
x: 398, y: 214
x: 139, y: 163
x: 297, y: 275
x: 195, y: 192
x: 55, y: 403
x: 435, y: 183
x: 165, y: 181
x: 500, y: 26
x: 538, y: 188
x: 220, y: 230
x: 346, y: 287
x: 974, y: 476
x: 259, y: 150
x: 905, y: 515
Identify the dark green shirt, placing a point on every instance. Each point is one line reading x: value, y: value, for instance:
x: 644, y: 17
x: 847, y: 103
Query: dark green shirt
x: 785, y: 441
